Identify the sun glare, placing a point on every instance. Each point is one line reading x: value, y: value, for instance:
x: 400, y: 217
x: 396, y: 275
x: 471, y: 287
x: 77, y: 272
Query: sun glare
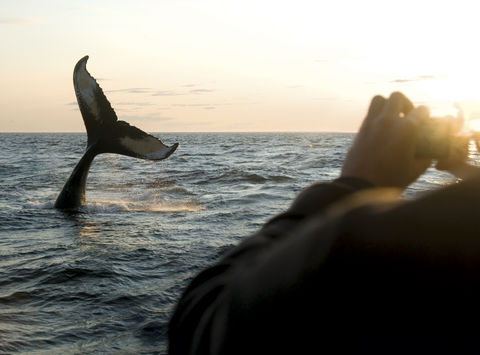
x: 229, y: 65
x: 474, y: 125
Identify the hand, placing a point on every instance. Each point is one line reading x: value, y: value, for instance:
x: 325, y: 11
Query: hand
x: 456, y: 162
x: 383, y: 152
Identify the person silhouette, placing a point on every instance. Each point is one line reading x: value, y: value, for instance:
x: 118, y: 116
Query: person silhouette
x: 350, y: 267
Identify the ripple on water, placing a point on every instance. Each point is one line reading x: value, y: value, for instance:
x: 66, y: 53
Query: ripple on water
x: 105, y: 279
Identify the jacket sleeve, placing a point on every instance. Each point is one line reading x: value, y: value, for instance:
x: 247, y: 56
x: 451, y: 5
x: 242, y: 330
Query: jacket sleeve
x: 203, y: 316
x: 415, y: 262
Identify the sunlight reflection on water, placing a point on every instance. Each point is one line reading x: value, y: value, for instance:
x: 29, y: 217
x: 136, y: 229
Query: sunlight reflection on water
x: 107, y: 277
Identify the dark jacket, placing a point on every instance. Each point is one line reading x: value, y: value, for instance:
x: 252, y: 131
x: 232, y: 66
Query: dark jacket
x: 331, y: 275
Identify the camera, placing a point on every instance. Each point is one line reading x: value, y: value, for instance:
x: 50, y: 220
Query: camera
x: 436, y: 135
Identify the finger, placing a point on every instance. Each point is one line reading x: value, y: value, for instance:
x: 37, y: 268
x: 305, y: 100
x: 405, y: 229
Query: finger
x: 412, y: 123
x: 396, y: 104
x: 376, y: 105
x: 409, y: 128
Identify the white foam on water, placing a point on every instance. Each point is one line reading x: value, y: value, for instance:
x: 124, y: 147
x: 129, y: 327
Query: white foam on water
x: 143, y: 203
x: 163, y: 205
x: 41, y: 205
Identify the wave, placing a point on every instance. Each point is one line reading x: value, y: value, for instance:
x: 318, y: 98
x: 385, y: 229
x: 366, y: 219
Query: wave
x: 148, y: 201
x: 120, y: 205
x: 41, y: 205
x: 280, y: 178
x: 66, y: 274
x: 235, y: 176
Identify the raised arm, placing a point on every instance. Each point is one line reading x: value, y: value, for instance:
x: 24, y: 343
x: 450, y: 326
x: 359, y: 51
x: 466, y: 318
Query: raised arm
x: 312, y: 276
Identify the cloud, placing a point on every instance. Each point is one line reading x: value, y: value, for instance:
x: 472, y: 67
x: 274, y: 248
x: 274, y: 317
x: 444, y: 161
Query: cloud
x: 134, y: 103
x: 119, y: 104
x: 188, y: 105
x: 147, y: 117
x: 146, y: 91
x: 194, y: 123
x: 156, y: 92
x: 206, y: 106
x: 417, y: 78
x: 402, y: 80
x: 132, y: 90
x: 425, y: 77
x: 18, y: 21
x: 200, y: 91
x: 166, y: 93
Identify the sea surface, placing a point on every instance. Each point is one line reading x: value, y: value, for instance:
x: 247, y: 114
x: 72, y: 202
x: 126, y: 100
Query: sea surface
x: 105, y: 280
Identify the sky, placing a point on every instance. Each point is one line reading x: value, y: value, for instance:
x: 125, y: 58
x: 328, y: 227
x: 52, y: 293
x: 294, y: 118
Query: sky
x: 222, y: 65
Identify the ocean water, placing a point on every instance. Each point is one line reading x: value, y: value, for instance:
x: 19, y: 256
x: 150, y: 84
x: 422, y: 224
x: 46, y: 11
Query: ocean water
x: 105, y: 280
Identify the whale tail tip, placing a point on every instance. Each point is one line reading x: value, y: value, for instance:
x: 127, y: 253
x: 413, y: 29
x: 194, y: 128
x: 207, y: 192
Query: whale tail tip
x: 103, y: 127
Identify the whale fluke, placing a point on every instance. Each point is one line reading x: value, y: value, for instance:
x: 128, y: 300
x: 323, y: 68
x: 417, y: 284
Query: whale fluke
x: 106, y: 134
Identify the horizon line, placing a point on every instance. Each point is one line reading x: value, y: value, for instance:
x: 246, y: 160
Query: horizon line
x: 80, y: 132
